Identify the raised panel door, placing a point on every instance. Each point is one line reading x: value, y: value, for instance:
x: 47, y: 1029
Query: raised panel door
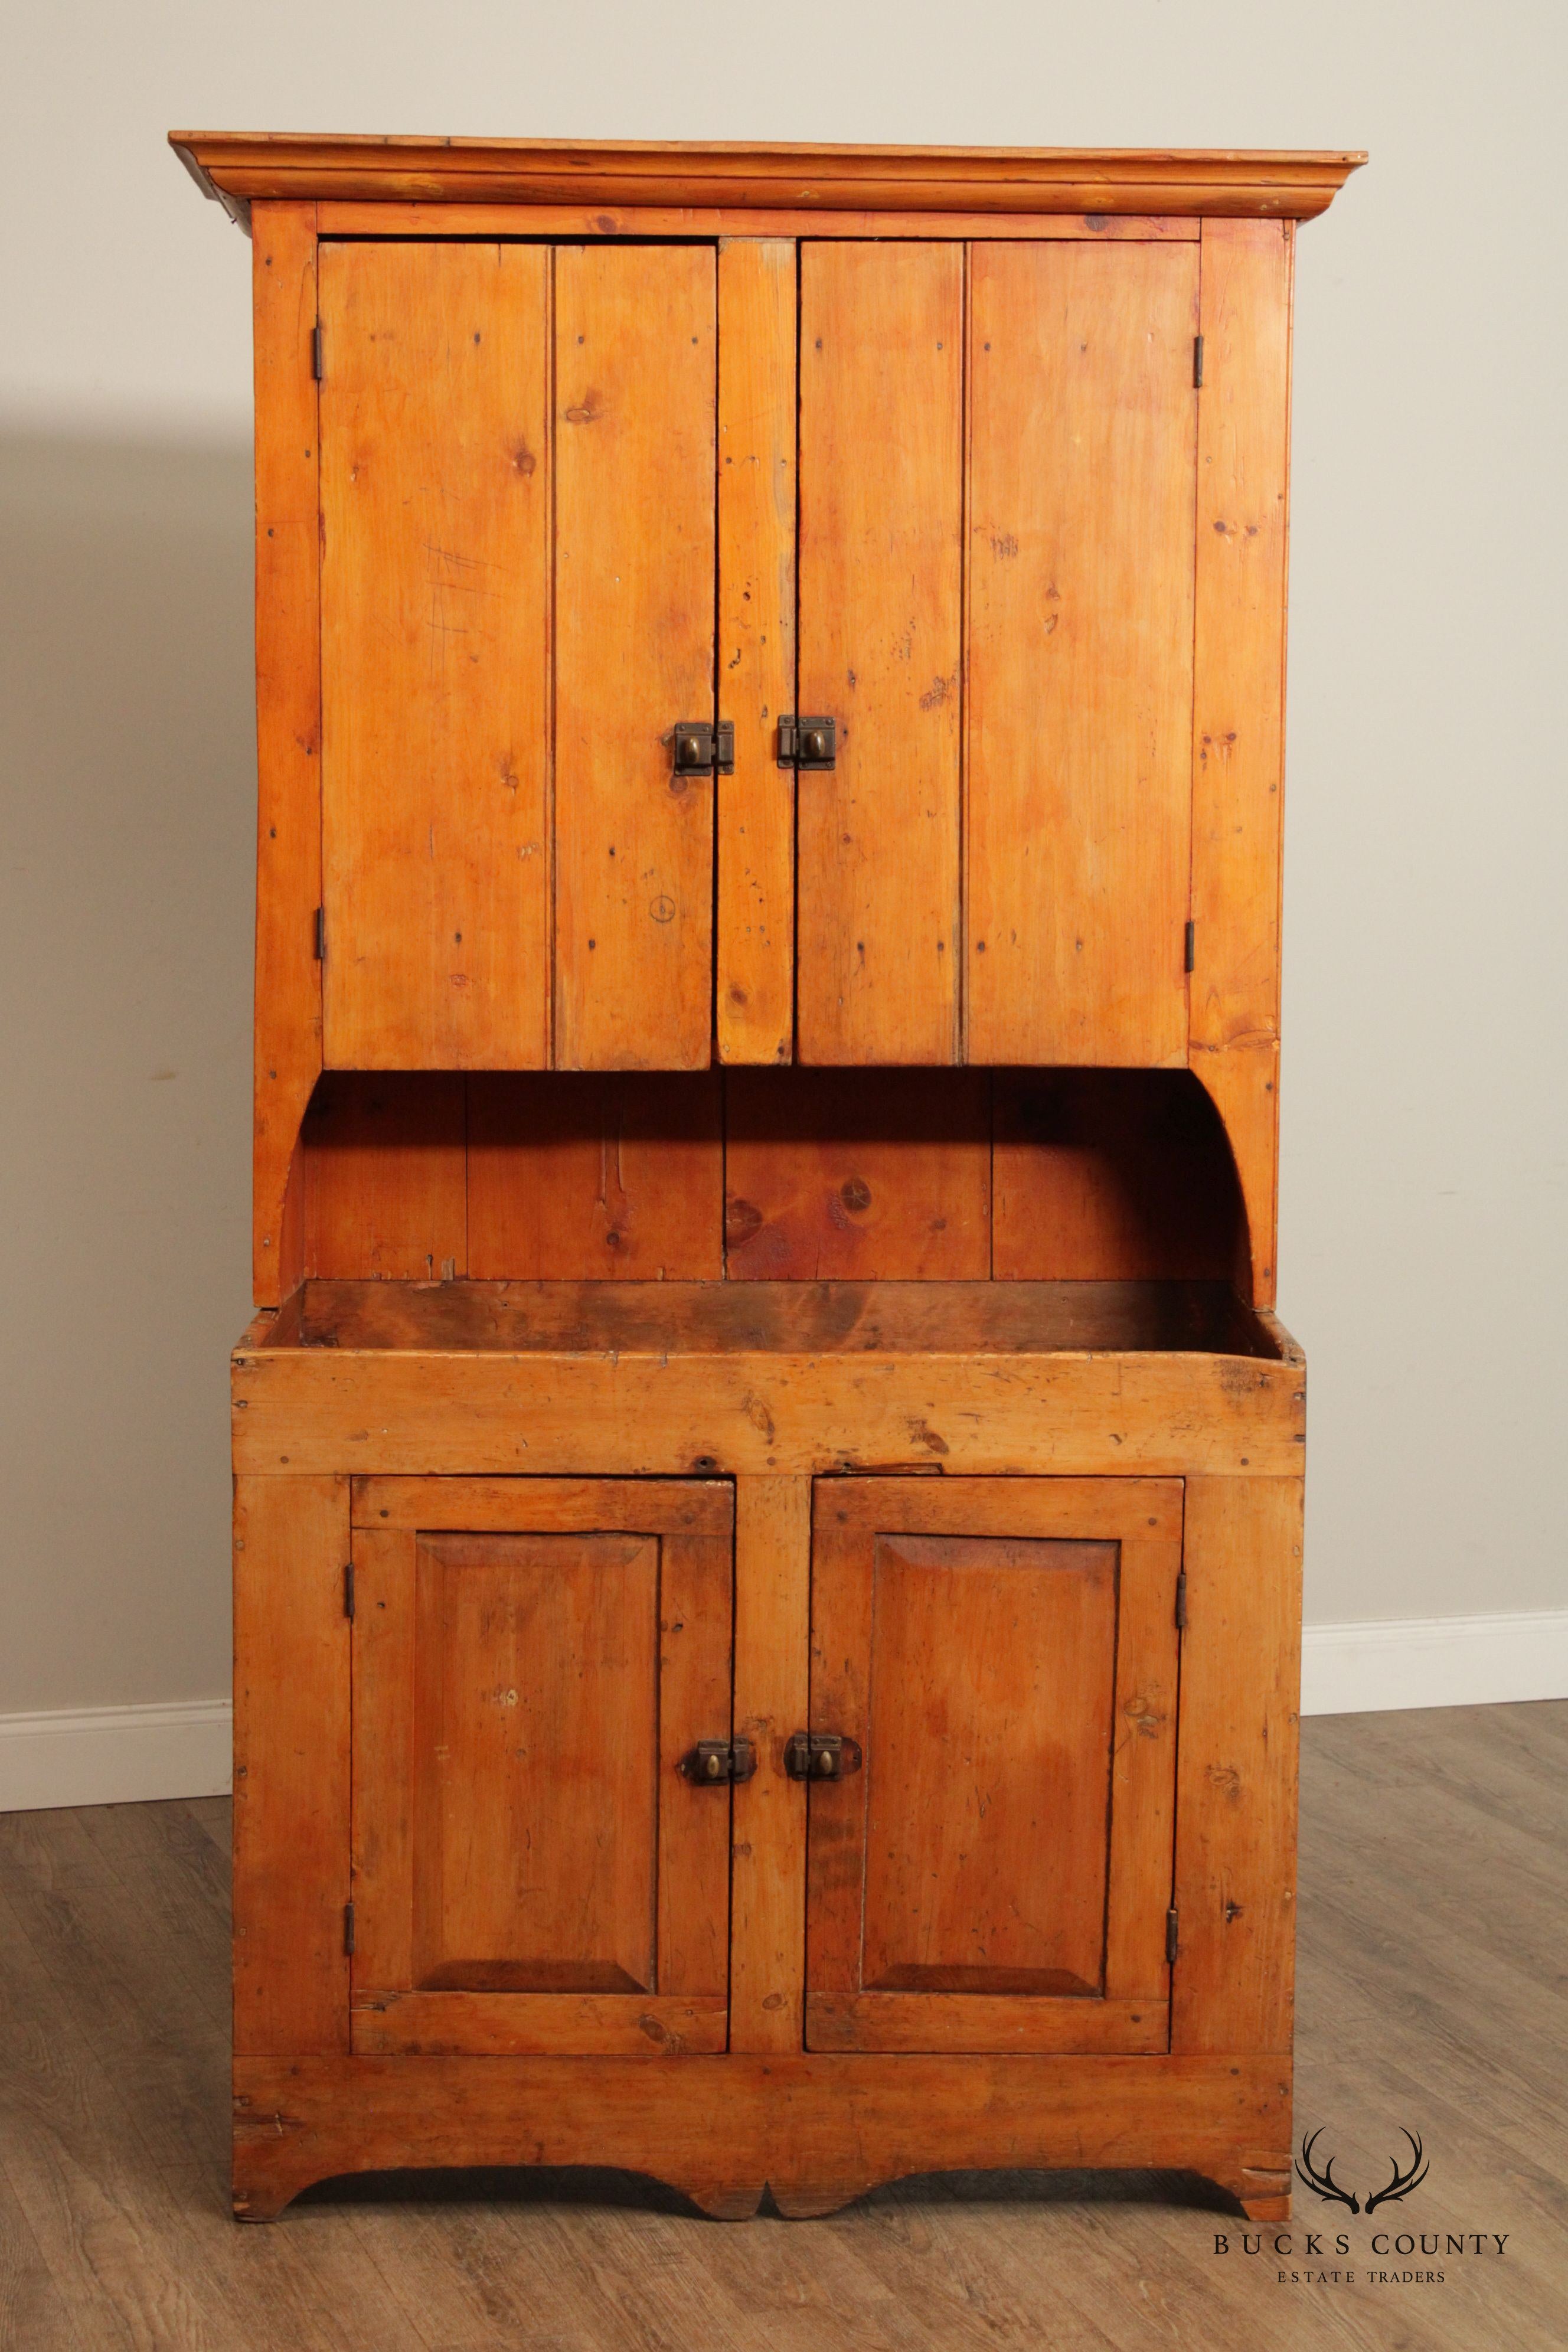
x: 995, y: 1870
x: 532, y: 1660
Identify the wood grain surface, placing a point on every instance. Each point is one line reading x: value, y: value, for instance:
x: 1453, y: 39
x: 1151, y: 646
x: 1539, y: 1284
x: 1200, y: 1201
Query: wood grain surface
x: 1239, y: 701
x: 881, y: 563
x: 1083, y: 432
x: 635, y: 554
x: 288, y: 722
x: 435, y: 655
x: 755, y: 974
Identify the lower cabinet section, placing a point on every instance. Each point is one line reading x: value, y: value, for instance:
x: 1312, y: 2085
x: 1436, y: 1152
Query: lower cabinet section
x: 993, y: 1700
x: 530, y: 1770
x: 533, y: 1660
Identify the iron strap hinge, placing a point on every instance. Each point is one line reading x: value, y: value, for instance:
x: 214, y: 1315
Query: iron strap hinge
x: 1172, y: 1937
x: 1190, y: 949
x: 321, y: 935
x: 349, y: 1590
x: 1197, y: 364
x: 716, y: 1763
x: 318, y: 360
x: 1181, y: 1601
x: 349, y: 1928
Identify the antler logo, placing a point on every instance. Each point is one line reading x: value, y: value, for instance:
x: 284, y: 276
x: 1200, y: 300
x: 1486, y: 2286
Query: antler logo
x: 1323, y: 2182
x: 1403, y: 2182
x: 1325, y: 2186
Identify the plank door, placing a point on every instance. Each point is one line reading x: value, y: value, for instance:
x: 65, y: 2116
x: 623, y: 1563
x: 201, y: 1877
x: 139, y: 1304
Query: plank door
x: 532, y: 1872
x: 881, y: 650
x: 1083, y: 471
x: 996, y: 1875
x: 636, y: 555
x: 435, y: 655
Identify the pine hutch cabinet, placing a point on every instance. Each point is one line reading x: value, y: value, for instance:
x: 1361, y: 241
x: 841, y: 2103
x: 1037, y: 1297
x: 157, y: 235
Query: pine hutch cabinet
x: 768, y: 1484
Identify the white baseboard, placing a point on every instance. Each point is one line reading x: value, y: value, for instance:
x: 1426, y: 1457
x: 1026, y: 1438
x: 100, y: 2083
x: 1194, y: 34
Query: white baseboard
x: 115, y: 1755
x: 1435, y: 1662
x: 126, y: 1755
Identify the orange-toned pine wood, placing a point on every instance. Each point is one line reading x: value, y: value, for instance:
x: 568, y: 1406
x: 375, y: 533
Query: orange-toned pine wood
x: 290, y: 1765
x: 456, y: 218
x: 287, y: 729
x: 523, y: 1836
x: 755, y: 980
x: 592, y: 1177
x: 848, y: 1173
x: 1083, y: 431
x: 1004, y: 1654
x: 383, y: 1161
x: 806, y: 177
x: 1234, y: 1983
x: 1239, y: 707
x: 767, y: 1927
x: 1111, y: 1173
x: 818, y: 2130
x: 434, y: 648
x: 881, y: 559
x: 635, y: 552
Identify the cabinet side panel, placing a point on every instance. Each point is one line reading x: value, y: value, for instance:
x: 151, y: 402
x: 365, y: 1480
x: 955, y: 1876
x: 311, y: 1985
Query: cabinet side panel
x: 1080, y: 654
x: 435, y: 500
x: 1237, y: 1773
x: 291, y: 1766
x: 635, y: 554
x: 772, y: 1596
x: 1239, y: 706
x: 288, y: 723
x: 754, y: 998
x: 882, y: 425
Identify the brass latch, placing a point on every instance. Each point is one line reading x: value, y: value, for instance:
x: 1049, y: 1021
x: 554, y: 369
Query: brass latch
x: 698, y: 749
x: 807, y: 742
x: 715, y: 1763
x: 820, y: 1756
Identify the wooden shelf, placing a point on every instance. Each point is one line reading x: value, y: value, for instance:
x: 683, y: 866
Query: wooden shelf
x: 702, y: 1319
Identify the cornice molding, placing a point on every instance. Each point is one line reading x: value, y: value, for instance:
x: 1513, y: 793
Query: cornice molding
x: 239, y: 168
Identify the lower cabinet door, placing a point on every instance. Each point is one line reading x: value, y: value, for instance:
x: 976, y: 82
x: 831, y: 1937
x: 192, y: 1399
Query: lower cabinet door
x: 992, y: 1763
x: 534, y: 1658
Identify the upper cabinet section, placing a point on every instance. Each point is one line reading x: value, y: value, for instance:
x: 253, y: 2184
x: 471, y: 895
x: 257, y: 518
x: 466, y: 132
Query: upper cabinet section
x: 517, y: 608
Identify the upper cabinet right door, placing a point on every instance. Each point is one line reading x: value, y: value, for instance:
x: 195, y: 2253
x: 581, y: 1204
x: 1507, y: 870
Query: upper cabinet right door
x: 1083, y: 468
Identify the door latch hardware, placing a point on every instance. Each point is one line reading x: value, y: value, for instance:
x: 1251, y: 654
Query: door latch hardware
x: 807, y: 742
x: 714, y: 1763
x: 699, y: 749
x: 820, y: 1756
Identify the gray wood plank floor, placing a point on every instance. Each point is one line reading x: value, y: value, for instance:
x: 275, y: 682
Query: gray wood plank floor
x: 1433, y: 1997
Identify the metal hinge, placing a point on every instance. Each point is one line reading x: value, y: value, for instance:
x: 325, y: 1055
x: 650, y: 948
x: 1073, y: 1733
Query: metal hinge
x: 714, y: 1763
x: 318, y: 361
x: 321, y: 935
x: 1181, y: 1601
x: 1173, y: 1938
x: 820, y: 1756
x: 1197, y: 364
x: 1190, y: 951
x: 349, y: 1928
x: 807, y: 742
x: 349, y: 1590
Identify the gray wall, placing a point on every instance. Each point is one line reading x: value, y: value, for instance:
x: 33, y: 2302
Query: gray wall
x: 1423, y: 1220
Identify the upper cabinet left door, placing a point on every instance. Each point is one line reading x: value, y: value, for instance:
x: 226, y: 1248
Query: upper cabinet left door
x: 436, y: 655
